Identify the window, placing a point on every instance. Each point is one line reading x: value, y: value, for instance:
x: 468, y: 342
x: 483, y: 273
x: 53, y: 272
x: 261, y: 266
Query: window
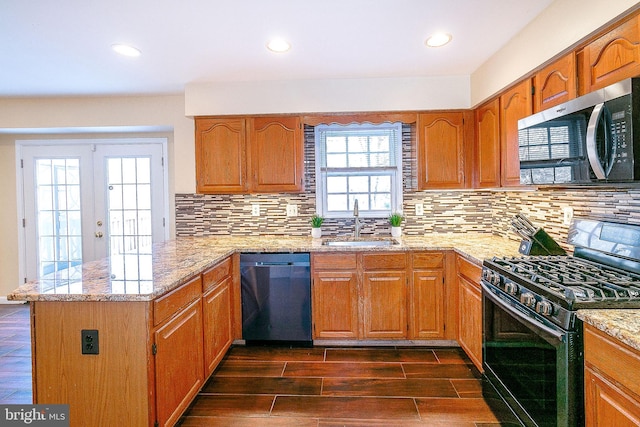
x: 362, y: 162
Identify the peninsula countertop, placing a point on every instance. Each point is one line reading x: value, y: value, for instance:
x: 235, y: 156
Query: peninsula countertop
x: 144, y: 277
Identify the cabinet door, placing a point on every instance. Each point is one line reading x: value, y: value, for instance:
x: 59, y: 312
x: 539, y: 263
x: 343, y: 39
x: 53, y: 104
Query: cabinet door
x: 221, y: 156
x: 555, y: 83
x: 277, y: 155
x: 385, y: 302
x: 440, y: 150
x: 613, y: 57
x: 335, y: 304
x: 515, y: 104
x: 179, y: 365
x: 608, y: 405
x: 488, y: 144
x: 427, y: 305
x: 470, y: 322
x: 216, y: 311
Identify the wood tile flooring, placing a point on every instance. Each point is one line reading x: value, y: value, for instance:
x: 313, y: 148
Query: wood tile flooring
x: 326, y: 387
x: 319, y: 387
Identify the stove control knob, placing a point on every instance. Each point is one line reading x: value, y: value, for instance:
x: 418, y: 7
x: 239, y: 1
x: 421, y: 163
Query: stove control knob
x: 528, y: 299
x: 545, y: 308
x: 511, y: 288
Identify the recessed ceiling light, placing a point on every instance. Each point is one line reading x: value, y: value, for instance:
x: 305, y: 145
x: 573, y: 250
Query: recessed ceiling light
x: 438, y: 39
x: 278, y: 45
x: 126, y: 50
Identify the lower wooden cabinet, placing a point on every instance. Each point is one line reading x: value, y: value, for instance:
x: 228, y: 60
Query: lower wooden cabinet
x: 153, y: 358
x: 427, y: 296
x: 380, y: 295
x: 179, y: 366
x: 612, y: 381
x: 470, y: 310
x: 384, y: 295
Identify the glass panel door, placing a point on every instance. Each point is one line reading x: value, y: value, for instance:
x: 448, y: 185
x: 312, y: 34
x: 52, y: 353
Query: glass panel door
x: 84, y: 202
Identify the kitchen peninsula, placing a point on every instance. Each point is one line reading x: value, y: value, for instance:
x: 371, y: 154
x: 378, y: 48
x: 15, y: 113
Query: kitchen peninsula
x: 159, y: 340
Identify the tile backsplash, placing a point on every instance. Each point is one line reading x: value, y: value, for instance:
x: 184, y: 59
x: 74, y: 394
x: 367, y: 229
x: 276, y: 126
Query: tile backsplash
x: 486, y: 211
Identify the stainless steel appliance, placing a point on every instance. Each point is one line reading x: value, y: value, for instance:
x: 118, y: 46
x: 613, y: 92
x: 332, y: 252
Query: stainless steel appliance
x: 532, y: 339
x: 276, y: 298
x: 594, y: 138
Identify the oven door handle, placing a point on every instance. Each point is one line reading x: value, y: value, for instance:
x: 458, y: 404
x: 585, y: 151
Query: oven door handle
x: 545, y: 331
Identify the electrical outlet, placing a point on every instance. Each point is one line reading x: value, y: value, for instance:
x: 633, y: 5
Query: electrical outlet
x: 419, y: 209
x: 90, y: 342
x: 292, y: 210
x: 255, y: 209
x: 567, y: 215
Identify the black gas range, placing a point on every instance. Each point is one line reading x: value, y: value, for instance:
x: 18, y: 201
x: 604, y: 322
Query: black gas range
x: 532, y: 338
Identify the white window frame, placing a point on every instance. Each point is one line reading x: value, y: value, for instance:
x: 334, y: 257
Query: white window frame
x: 323, y: 172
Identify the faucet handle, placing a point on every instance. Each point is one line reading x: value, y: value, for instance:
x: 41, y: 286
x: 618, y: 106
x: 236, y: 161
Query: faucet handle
x: 356, y: 212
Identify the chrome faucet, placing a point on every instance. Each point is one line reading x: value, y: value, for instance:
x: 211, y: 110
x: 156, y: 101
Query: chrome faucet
x: 356, y: 216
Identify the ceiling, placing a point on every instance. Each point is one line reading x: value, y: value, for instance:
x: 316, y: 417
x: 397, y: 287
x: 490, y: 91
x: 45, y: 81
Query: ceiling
x: 63, y: 47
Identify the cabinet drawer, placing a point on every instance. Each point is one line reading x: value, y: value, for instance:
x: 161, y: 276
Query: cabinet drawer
x: 600, y: 350
x: 167, y: 305
x: 384, y: 261
x: 428, y: 260
x: 338, y: 261
x: 468, y: 269
x: 215, y: 274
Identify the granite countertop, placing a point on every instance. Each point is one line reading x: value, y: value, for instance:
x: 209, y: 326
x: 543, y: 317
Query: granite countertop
x: 167, y: 265
x: 622, y: 324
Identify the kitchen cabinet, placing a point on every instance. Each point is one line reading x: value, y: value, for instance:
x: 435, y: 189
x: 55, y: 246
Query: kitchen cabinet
x: 556, y: 83
x: 427, y: 296
x: 384, y: 292
x: 217, y: 312
x: 612, y: 381
x: 153, y: 356
x: 179, y: 366
x: 470, y: 319
x: 249, y: 155
x: 334, y: 296
x: 515, y: 104
x: 487, y: 158
x: 359, y: 295
x: 440, y: 150
x: 221, y: 155
x: 612, y: 57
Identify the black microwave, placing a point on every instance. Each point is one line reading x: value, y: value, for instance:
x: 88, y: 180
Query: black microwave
x: 592, y: 139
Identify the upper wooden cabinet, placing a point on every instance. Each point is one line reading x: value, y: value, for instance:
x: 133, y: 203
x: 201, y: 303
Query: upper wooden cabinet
x: 612, y: 57
x: 221, y: 155
x: 515, y: 104
x: 487, y: 158
x: 555, y: 83
x: 277, y: 154
x: 252, y: 154
x: 441, y: 150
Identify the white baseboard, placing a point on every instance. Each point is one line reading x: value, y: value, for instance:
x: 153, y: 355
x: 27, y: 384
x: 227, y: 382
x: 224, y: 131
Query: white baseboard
x: 4, y: 300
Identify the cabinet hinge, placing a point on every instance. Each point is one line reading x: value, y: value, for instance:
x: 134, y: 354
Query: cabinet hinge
x: 154, y: 349
x: 24, y: 222
x: 533, y: 90
x: 21, y: 164
x: 155, y: 424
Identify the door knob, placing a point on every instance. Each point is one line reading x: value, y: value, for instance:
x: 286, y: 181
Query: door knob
x: 99, y: 234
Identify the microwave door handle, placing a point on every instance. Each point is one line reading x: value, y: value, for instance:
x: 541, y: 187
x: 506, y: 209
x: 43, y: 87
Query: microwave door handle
x: 592, y: 151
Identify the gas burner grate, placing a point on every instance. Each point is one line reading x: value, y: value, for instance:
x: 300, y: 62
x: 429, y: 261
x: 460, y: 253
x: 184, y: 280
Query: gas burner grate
x: 573, y: 279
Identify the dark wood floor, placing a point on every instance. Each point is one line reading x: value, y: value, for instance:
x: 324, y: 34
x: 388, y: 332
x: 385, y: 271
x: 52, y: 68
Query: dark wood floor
x: 320, y: 387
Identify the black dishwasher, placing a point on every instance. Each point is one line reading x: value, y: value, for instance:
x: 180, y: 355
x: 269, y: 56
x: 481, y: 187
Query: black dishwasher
x: 276, y: 298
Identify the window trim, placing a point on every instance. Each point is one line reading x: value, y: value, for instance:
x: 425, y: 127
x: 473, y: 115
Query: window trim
x: 395, y: 172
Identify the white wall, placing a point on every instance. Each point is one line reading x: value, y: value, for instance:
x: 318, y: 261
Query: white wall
x: 339, y: 95
x: 560, y: 26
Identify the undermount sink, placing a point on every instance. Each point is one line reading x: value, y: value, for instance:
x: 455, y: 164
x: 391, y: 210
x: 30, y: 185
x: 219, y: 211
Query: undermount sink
x: 362, y: 241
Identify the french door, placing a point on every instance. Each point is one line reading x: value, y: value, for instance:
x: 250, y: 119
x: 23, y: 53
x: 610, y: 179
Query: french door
x: 84, y: 202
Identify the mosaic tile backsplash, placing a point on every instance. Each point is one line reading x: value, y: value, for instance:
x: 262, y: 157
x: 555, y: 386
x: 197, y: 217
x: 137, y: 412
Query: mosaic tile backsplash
x: 488, y: 211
